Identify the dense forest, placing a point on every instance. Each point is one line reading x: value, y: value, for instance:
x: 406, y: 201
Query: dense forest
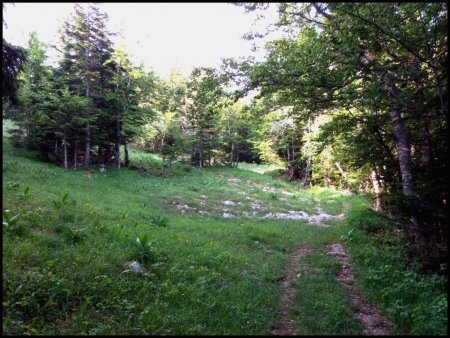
x: 353, y: 97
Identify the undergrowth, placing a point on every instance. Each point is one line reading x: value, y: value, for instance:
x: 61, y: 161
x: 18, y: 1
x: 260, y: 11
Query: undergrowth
x: 416, y: 302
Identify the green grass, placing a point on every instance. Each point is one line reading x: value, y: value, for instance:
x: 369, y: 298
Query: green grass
x: 328, y: 311
x: 63, y: 260
x: 416, y: 303
x: 73, y: 236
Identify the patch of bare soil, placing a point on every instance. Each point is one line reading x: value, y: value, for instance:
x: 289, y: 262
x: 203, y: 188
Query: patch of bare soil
x: 375, y: 324
x: 285, y: 325
x: 317, y: 219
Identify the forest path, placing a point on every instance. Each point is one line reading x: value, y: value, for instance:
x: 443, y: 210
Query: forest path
x: 374, y: 323
x: 285, y: 325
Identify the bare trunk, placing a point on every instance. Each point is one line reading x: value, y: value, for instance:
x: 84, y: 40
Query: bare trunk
x: 308, y: 166
x: 65, y: 150
x: 117, y: 155
x: 101, y: 154
x: 75, y: 156
x: 193, y: 154
x: 127, y: 158
x: 108, y: 151
x: 117, y: 145
x: 201, y: 154
x: 426, y: 146
x: 293, y: 172
x: 403, y: 151
x: 340, y: 169
x: 231, y: 154
x: 376, y: 190
x: 87, y: 148
x: 56, y: 148
x: 402, y: 143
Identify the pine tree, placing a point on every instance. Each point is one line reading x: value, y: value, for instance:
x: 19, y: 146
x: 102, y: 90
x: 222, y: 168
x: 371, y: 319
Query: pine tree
x: 87, y: 47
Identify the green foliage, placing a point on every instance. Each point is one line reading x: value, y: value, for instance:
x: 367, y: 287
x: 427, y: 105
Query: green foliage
x: 204, y: 266
x: 414, y: 301
x: 323, y: 114
x: 70, y: 235
x: 328, y: 312
x: 13, y: 59
x: 203, y: 103
x: 361, y: 71
x: 159, y: 221
x: 25, y: 195
x: 64, y: 200
x: 144, y: 247
x: 8, y: 219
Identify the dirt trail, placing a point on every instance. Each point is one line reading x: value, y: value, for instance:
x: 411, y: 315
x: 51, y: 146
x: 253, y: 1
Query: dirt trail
x: 285, y: 325
x: 375, y: 324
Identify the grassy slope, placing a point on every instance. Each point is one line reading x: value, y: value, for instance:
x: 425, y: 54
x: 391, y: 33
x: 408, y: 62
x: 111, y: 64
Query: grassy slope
x: 63, y: 259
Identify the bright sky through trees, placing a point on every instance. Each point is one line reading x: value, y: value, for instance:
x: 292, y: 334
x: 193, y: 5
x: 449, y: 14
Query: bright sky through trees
x: 162, y: 35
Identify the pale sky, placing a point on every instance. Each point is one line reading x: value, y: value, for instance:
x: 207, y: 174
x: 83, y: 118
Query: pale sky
x: 162, y: 35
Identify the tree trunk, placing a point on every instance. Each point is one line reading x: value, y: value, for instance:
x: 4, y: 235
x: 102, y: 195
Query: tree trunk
x: 376, y: 190
x: 75, y: 156
x: 340, y: 169
x: 117, y: 143
x: 101, y: 155
x: 403, y: 151
x: 127, y: 158
x: 308, y: 166
x: 402, y: 143
x: 193, y: 159
x: 425, y: 147
x: 293, y: 172
x: 231, y: 154
x: 108, y: 151
x: 87, y: 149
x: 117, y: 155
x: 427, y: 156
x: 201, y: 154
x: 65, y: 149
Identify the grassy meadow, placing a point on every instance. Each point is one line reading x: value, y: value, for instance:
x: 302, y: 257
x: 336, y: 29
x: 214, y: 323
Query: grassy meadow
x: 213, y: 260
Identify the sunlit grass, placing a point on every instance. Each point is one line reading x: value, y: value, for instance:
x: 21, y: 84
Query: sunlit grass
x: 76, y: 233
x: 69, y: 237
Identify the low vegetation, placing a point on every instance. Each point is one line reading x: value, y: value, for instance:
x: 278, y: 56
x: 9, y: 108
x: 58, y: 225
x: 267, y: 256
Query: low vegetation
x: 70, y: 239
x: 302, y: 192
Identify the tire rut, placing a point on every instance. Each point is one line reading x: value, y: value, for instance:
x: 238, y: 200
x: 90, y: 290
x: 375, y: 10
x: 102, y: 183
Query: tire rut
x: 285, y: 325
x: 374, y: 323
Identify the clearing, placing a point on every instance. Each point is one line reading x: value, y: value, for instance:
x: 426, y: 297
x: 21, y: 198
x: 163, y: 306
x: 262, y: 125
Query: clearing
x: 232, y: 252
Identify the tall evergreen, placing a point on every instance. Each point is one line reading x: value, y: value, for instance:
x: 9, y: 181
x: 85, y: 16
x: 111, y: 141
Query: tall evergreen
x: 86, y: 47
